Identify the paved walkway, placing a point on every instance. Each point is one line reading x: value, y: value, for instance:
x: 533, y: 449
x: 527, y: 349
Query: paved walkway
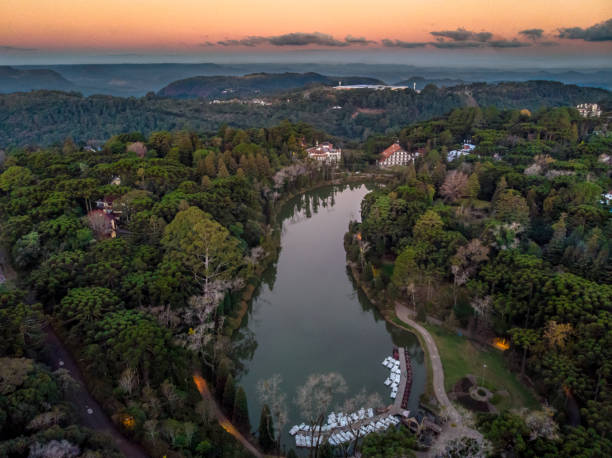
x: 448, y: 408
x: 455, y: 427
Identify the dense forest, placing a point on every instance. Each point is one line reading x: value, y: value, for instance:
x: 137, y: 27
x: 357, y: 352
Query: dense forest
x: 511, y: 241
x: 48, y: 117
x: 140, y: 255
x: 108, y: 247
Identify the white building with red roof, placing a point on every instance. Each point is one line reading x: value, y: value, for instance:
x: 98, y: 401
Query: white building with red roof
x: 396, y: 155
x: 325, y: 152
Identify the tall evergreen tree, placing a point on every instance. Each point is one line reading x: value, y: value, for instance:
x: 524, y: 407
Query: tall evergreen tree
x: 266, y: 429
x: 241, y: 410
x: 229, y: 393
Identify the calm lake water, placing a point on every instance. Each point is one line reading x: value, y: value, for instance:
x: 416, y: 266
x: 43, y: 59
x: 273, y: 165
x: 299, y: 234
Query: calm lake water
x: 309, y: 317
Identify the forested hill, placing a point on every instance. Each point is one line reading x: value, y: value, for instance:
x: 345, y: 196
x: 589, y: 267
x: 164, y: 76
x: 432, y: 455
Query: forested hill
x: 217, y: 87
x: 12, y: 80
x: 45, y: 117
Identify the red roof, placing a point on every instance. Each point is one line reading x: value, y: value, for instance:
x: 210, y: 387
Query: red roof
x: 392, y: 149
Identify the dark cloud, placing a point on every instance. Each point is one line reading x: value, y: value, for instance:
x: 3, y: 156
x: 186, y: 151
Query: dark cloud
x: 401, y: 44
x: 457, y: 44
x: 248, y: 41
x: 597, y: 32
x: 358, y: 40
x: 532, y: 34
x: 462, y: 34
x: 294, y: 39
x: 548, y: 43
x: 507, y: 44
x: 305, y: 39
x: 15, y: 49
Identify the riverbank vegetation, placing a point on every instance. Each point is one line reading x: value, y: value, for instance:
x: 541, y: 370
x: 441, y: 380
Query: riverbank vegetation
x: 140, y: 254
x: 511, y: 241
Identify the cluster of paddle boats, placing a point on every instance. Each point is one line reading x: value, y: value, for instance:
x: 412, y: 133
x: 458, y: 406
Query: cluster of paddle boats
x: 342, y: 428
x: 394, y: 376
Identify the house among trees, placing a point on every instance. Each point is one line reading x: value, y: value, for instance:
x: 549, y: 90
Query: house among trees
x: 325, y: 152
x: 457, y: 153
x: 102, y: 223
x: 589, y: 110
x: 396, y: 155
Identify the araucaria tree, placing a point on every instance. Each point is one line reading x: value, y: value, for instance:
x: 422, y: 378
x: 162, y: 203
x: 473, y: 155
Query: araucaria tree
x: 203, y: 246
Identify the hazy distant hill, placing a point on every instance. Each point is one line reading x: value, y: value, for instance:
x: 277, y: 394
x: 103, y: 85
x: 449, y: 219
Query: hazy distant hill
x: 13, y: 80
x: 139, y: 79
x: 44, y: 117
x: 227, y: 87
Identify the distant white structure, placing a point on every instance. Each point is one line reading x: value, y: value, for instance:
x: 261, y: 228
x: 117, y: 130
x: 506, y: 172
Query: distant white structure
x: 457, y: 153
x: 325, y: 152
x: 376, y: 87
x: 396, y: 155
x: 606, y: 198
x: 589, y: 110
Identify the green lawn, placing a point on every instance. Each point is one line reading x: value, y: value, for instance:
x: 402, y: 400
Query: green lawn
x: 461, y: 357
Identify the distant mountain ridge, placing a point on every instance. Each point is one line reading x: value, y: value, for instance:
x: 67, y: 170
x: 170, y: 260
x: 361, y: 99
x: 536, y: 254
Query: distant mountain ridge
x: 254, y: 84
x: 14, y: 80
x: 45, y: 117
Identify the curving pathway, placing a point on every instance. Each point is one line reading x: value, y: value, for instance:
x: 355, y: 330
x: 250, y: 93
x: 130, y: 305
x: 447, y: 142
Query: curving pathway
x: 455, y: 427
x: 223, y: 420
x: 436, y: 364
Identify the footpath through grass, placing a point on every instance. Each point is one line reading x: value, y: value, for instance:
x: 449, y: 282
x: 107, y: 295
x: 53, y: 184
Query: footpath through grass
x: 460, y: 357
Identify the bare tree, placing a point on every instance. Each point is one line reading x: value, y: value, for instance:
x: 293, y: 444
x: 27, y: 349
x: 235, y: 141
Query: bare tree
x: 454, y: 186
x: 466, y: 261
x: 54, y: 449
x: 360, y: 401
x: 128, y: 380
x: 315, y: 398
x: 270, y: 393
x: 100, y: 223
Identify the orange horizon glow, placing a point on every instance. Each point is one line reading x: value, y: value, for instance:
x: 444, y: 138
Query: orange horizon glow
x: 188, y: 24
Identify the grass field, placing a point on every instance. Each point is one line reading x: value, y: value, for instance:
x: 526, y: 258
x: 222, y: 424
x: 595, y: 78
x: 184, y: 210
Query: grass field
x: 461, y: 357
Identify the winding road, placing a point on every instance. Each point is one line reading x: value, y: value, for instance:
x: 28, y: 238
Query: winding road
x: 90, y: 413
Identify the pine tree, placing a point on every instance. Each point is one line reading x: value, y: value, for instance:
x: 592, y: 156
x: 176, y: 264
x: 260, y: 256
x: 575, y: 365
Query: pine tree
x: 209, y: 165
x: 473, y: 186
x: 229, y: 393
x: 241, y: 410
x: 266, y: 429
x: 222, y: 169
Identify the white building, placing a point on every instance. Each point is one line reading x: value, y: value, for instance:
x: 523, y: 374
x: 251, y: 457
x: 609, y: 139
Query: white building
x: 589, y: 110
x: 457, y: 153
x: 325, y: 152
x: 396, y: 155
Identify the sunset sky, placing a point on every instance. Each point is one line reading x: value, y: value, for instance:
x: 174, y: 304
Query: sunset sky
x: 208, y: 26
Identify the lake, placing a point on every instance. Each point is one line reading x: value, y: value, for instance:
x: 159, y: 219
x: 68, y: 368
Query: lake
x: 309, y: 316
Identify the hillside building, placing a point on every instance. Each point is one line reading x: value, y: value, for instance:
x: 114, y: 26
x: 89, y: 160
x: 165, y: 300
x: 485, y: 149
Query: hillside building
x: 324, y: 152
x: 395, y: 155
x: 589, y: 110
